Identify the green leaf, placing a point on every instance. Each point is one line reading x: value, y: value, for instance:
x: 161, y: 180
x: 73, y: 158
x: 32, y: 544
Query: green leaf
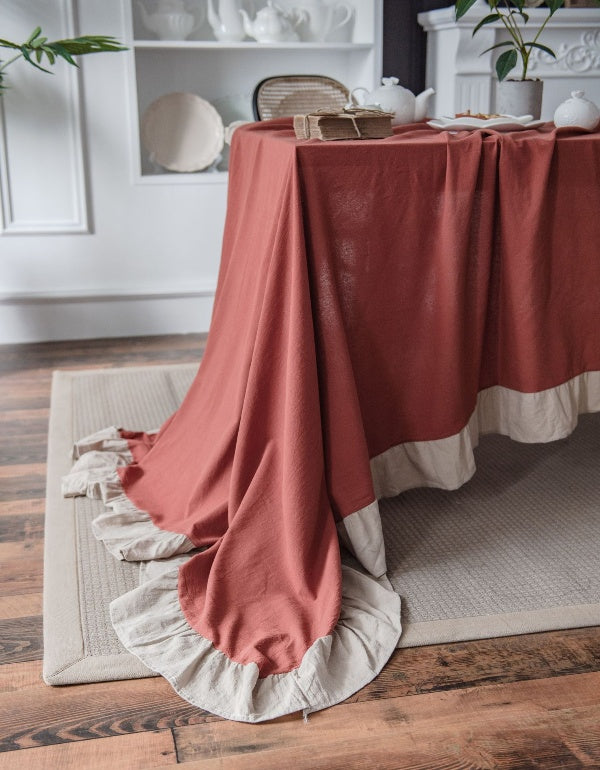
x: 33, y: 35
x: 8, y: 44
x: 50, y: 55
x: 90, y: 44
x: 489, y: 19
x: 27, y: 56
x: 61, y: 51
x: 462, y: 6
x: 497, y: 45
x: 542, y: 48
x: 519, y: 4
x: 38, y: 55
x: 554, y: 5
x: 524, y: 16
x: 506, y: 62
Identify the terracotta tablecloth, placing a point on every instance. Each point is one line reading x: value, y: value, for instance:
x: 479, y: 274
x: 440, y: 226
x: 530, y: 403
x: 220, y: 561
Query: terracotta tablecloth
x: 380, y: 304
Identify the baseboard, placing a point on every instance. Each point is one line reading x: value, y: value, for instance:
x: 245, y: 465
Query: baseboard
x: 41, y: 317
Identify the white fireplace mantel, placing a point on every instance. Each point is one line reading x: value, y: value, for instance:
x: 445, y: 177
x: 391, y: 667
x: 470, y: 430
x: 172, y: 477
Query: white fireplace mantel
x: 464, y: 79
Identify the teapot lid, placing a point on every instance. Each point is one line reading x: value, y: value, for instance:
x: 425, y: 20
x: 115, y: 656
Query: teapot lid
x: 389, y: 82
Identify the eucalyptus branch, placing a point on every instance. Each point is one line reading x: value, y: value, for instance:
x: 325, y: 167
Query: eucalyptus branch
x: 37, y: 47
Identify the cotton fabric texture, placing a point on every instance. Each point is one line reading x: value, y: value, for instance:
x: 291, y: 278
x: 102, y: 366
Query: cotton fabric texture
x: 380, y: 304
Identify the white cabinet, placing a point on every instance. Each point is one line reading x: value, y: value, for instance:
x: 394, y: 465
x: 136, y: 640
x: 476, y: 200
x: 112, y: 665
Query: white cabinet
x: 225, y: 74
x: 95, y: 240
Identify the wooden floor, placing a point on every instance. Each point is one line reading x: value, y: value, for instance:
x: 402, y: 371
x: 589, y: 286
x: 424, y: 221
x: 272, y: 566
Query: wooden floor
x: 521, y: 702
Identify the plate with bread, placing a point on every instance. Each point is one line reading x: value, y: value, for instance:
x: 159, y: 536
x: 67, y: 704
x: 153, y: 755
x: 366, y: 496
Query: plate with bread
x: 469, y: 121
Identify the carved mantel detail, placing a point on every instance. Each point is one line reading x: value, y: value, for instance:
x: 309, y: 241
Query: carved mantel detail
x: 583, y: 56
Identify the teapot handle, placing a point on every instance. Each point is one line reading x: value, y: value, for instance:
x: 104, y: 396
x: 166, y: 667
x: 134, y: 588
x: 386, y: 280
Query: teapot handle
x: 298, y: 16
x: 348, y: 11
x: 354, y: 90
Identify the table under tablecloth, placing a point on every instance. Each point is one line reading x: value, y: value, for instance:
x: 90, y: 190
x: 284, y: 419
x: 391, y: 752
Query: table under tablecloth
x: 380, y: 304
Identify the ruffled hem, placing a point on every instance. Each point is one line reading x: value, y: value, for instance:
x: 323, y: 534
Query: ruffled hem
x: 150, y: 624
x: 128, y: 533
x: 449, y: 462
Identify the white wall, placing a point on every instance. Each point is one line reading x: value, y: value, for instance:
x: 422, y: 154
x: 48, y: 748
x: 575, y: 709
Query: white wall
x: 85, y: 251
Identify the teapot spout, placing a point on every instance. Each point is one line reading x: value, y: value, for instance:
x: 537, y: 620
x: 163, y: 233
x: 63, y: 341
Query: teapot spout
x: 213, y: 19
x: 421, y: 104
x: 248, y: 26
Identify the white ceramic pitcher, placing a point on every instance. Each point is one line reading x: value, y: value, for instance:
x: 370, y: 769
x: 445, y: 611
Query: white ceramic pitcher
x: 226, y: 23
x: 322, y: 19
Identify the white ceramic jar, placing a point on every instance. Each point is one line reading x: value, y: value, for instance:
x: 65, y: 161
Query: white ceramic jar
x: 577, y: 112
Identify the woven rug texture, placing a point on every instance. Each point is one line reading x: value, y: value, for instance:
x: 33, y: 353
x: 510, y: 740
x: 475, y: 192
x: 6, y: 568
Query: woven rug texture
x: 515, y: 550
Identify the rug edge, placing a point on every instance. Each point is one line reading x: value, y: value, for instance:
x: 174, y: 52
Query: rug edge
x: 66, y: 653
x: 496, y: 626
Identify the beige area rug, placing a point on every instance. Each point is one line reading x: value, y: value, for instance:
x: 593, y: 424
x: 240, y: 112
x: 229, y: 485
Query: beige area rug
x: 515, y: 550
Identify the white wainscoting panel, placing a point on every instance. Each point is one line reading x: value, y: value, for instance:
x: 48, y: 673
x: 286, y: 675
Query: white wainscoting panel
x: 42, y: 169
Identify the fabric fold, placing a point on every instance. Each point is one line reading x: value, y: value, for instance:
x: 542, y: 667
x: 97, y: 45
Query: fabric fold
x: 150, y: 624
x: 126, y: 531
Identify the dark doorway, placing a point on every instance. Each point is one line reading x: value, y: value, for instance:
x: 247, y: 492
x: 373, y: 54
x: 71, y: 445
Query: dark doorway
x: 404, y: 41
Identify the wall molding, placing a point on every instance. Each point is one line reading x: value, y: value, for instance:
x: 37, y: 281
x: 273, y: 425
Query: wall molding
x: 50, y: 316
x: 205, y: 289
x: 76, y: 219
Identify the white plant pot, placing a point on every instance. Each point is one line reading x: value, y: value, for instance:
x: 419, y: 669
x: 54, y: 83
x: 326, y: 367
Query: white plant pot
x: 519, y: 97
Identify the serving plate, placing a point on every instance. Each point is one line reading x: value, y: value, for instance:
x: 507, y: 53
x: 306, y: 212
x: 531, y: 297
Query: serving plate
x: 501, y: 123
x: 182, y: 132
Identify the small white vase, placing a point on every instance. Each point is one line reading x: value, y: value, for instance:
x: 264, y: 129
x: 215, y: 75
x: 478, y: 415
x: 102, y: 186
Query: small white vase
x: 519, y: 97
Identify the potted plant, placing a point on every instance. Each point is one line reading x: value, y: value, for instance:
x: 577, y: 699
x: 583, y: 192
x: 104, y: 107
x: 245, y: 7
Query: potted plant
x: 37, y: 47
x: 522, y: 95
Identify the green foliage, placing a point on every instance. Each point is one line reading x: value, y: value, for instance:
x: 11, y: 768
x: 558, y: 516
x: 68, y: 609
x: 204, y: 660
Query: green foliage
x: 514, y: 18
x: 39, y: 49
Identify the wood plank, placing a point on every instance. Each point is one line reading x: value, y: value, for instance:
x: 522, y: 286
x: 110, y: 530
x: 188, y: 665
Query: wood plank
x: 124, y: 752
x: 22, y: 487
x: 28, y: 448
x: 545, y: 723
x: 26, y: 528
x: 21, y: 639
x: 25, y: 416
x: 20, y: 606
x: 30, y: 548
x: 21, y: 471
x: 20, y: 676
x: 25, y: 506
x: 416, y: 670
x: 112, y: 351
x: 21, y: 575
x: 39, y: 715
x: 13, y: 432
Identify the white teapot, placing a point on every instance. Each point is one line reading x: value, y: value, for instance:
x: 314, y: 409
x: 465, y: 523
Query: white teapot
x: 171, y: 20
x: 406, y: 107
x: 272, y: 24
x: 577, y: 112
x: 321, y: 19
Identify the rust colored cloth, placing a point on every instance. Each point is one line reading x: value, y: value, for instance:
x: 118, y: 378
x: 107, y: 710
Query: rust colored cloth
x: 367, y: 292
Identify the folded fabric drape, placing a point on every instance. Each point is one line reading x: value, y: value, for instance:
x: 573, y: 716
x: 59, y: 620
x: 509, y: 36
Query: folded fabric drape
x: 380, y: 303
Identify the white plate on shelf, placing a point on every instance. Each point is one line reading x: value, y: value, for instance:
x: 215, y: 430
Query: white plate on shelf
x: 182, y: 132
x: 501, y: 123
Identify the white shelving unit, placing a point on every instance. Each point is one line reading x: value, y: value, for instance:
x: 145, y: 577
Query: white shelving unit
x: 225, y: 74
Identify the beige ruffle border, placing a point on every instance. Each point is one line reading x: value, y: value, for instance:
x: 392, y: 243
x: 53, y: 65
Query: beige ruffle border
x: 449, y: 462
x: 151, y: 625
